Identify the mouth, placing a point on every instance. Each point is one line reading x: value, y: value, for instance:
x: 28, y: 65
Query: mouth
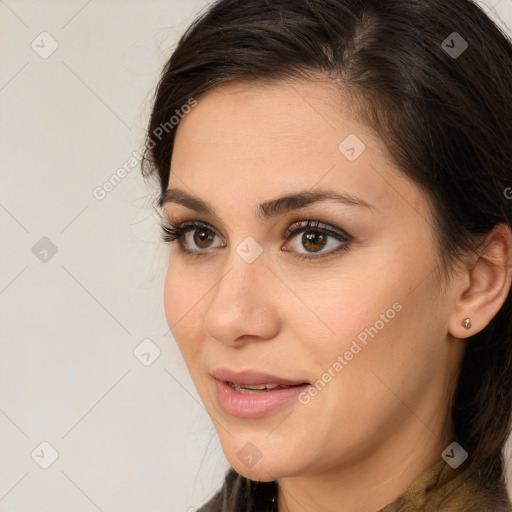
x: 254, y: 380
x: 252, y: 394
x: 260, y: 388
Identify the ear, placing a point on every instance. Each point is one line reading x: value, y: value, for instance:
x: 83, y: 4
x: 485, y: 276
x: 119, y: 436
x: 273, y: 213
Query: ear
x: 484, y: 285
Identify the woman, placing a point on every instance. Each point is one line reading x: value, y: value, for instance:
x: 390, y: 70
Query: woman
x: 336, y: 184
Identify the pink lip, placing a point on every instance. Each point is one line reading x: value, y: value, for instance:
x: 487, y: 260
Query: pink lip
x: 252, y: 378
x: 253, y: 405
x: 244, y: 405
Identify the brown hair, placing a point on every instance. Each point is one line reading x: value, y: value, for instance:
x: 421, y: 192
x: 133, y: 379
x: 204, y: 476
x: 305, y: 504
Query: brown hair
x: 445, y: 119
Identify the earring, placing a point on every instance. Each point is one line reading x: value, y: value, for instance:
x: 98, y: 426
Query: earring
x: 467, y: 323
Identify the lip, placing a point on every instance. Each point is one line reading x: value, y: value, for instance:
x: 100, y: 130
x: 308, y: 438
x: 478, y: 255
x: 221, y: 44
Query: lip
x: 253, y: 405
x: 252, y: 378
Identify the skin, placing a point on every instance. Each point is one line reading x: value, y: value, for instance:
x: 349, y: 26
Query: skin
x: 385, y: 418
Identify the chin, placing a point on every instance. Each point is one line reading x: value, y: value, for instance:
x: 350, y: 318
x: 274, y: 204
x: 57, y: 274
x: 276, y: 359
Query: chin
x: 260, y: 472
x: 251, y: 463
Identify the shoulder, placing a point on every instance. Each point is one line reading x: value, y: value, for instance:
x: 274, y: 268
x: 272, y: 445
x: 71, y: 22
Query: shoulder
x: 490, y: 500
x: 444, y: 489
x: 472, y: 496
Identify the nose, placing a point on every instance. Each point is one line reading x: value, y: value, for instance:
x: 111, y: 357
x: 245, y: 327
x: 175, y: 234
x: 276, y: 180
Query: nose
x: 241, y: 305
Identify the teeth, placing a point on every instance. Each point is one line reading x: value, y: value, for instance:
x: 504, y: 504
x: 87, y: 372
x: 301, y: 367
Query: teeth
x: 248, y: 390
x: 257, y: 388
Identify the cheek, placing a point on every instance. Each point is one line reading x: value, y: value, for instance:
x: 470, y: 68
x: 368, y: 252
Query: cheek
x: 373, y: 322
x: 389, y: 353
x: 183, y: 312
x: 347, y: 308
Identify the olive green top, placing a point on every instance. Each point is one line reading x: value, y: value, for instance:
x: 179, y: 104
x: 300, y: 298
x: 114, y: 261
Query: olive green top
x: 442, y: 488
x: 439, y: 489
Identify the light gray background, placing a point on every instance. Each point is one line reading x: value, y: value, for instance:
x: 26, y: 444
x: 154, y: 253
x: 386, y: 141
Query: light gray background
x: 129, y: 437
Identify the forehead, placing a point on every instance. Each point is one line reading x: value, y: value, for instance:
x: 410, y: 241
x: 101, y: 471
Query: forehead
x: 284, y: 111
x: 262, y: 140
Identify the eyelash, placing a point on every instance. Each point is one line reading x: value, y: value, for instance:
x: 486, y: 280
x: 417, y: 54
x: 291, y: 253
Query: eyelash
x: 172, y: 233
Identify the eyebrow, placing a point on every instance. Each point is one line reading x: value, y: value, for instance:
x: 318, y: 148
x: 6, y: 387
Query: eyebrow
x: 268, y: 209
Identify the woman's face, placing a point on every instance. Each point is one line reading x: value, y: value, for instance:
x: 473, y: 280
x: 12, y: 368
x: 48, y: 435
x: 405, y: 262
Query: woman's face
x: 350, y: 305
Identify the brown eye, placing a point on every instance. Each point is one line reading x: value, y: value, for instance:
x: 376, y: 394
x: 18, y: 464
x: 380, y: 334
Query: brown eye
x: 314, y: 241
x: 202, y: 238
x: 193, y: 237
